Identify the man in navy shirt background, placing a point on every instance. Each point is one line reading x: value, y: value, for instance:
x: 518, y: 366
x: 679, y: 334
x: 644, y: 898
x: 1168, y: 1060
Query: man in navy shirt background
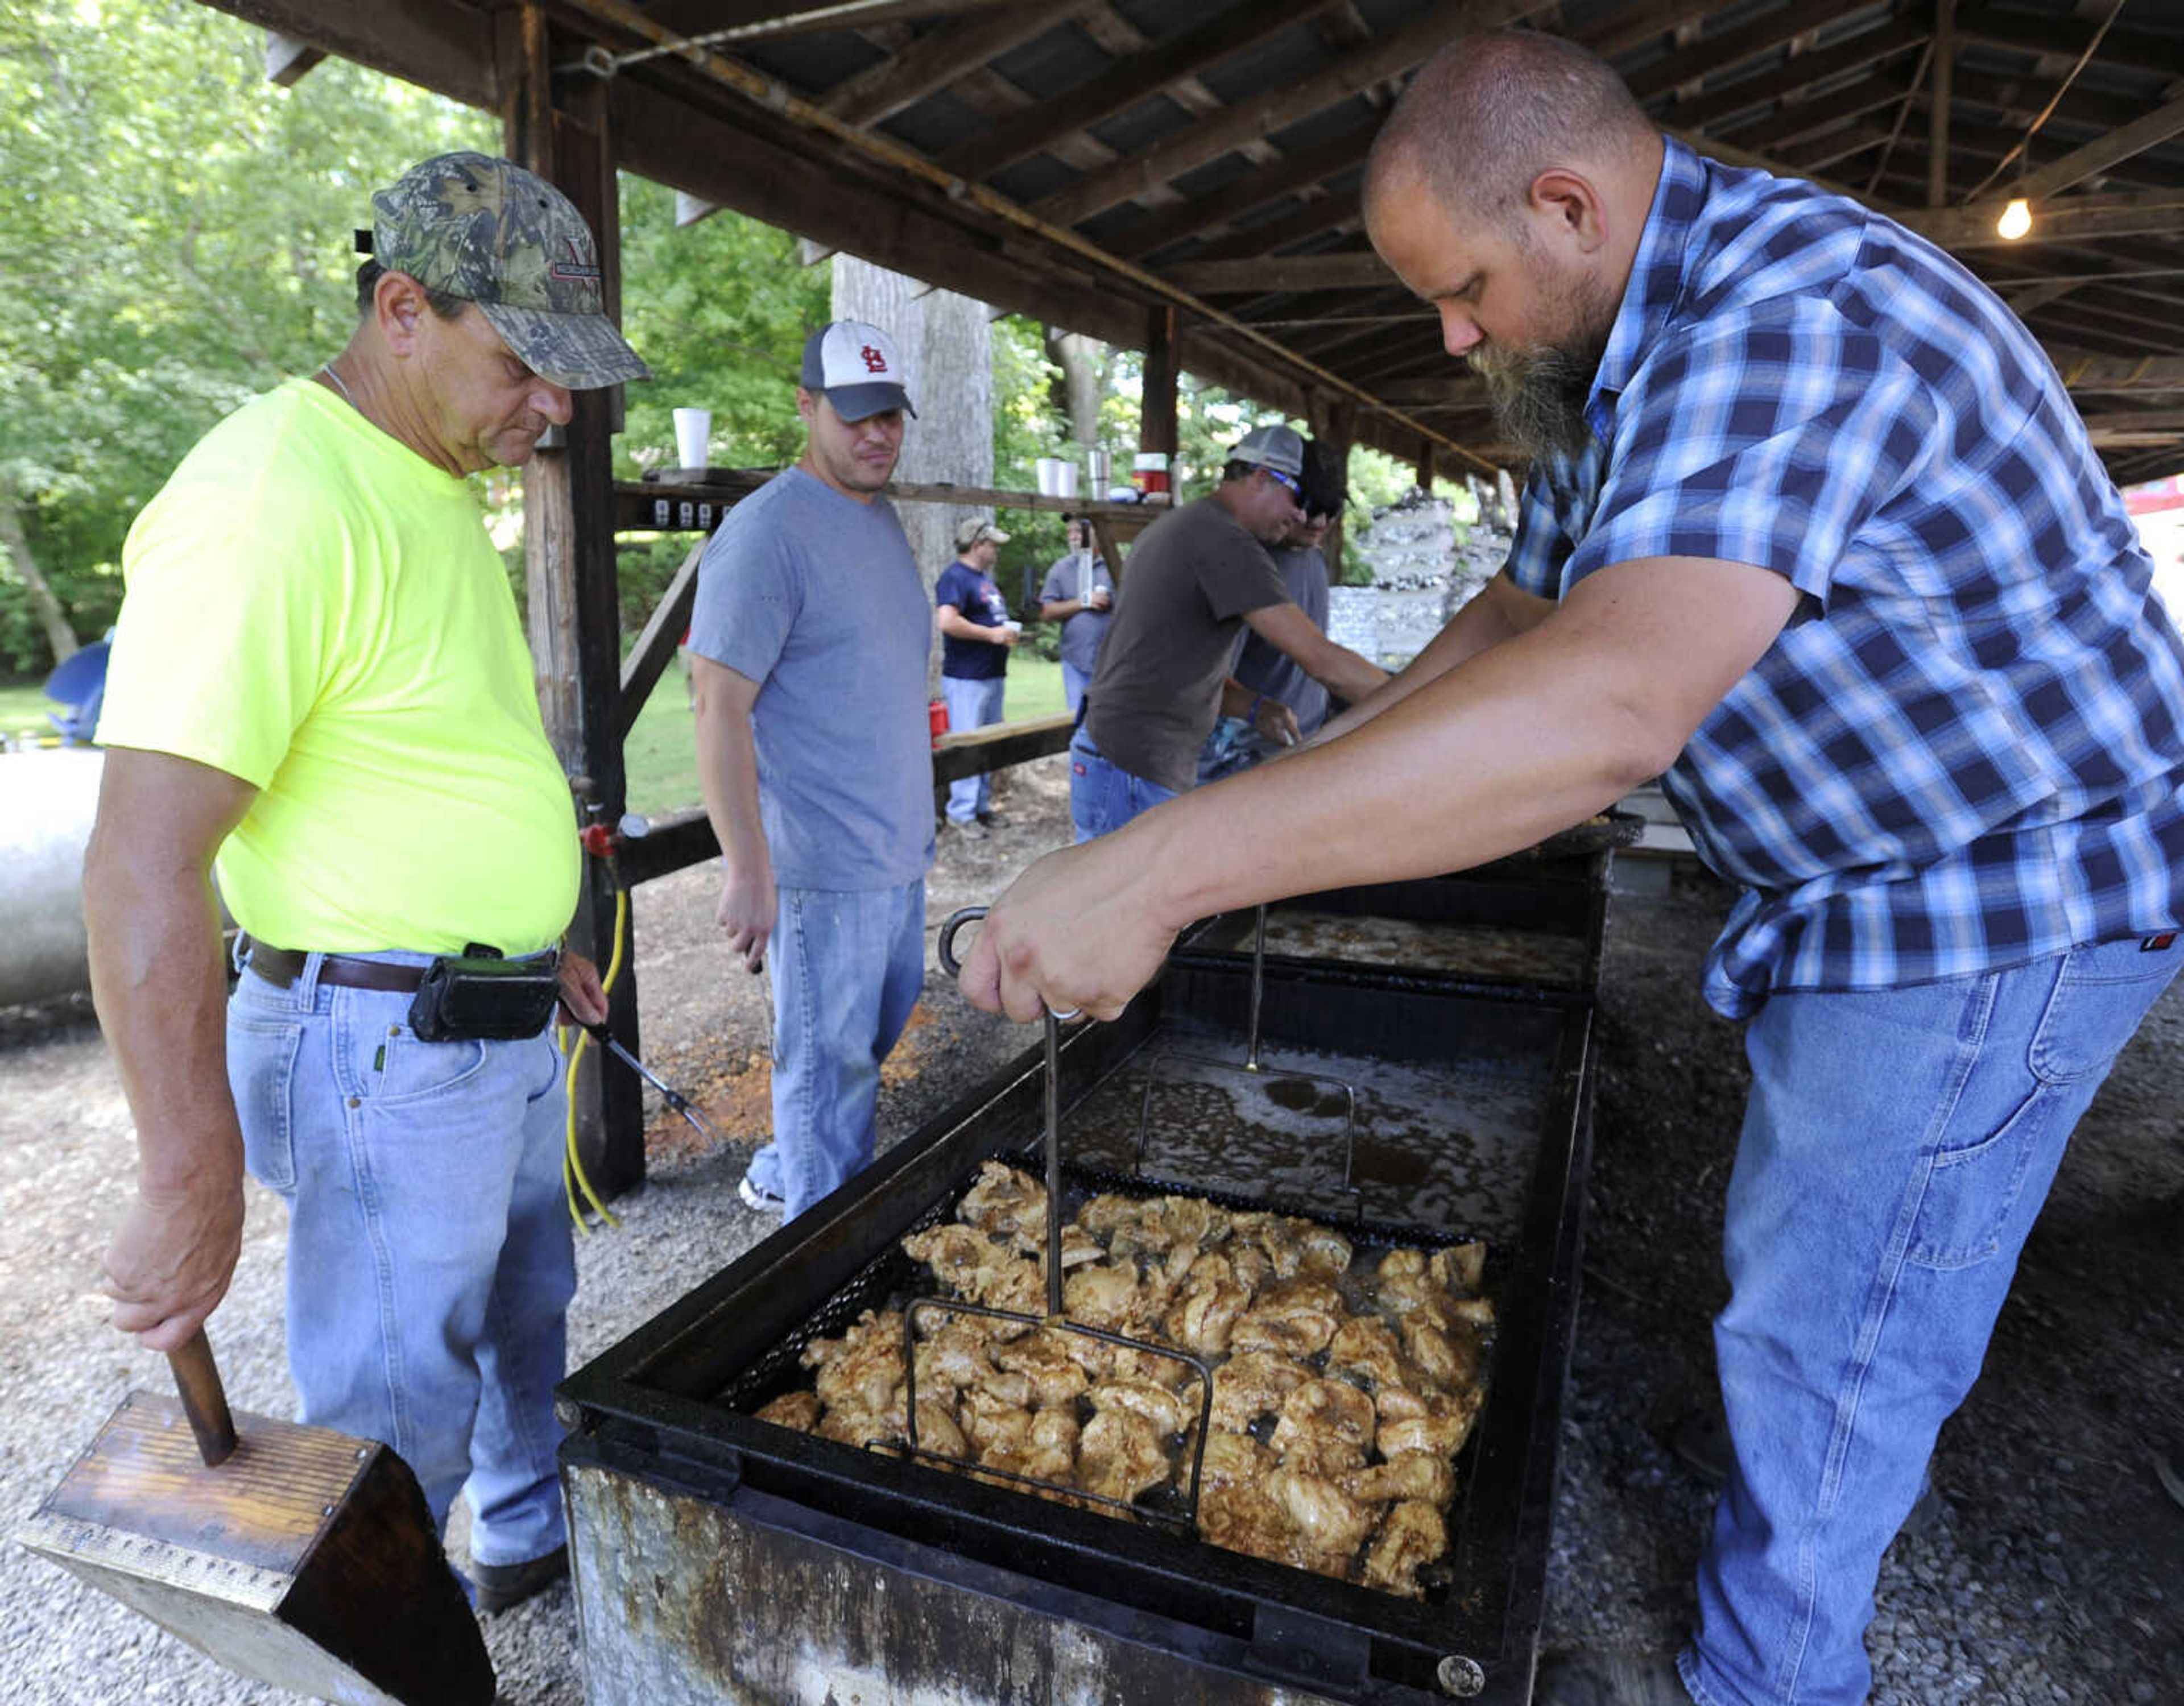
x: 1814, y: 532
x: 976, y: 635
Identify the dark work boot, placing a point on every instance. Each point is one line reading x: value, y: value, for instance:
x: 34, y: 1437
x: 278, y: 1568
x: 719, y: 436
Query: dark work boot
x: 498, y: 1587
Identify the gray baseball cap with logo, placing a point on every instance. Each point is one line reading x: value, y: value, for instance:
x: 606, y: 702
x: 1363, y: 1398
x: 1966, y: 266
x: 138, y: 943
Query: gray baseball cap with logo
x: 490, y: 232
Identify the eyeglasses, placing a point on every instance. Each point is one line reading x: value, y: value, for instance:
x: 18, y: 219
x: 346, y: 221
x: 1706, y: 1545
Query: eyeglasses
x: 1288, y: 482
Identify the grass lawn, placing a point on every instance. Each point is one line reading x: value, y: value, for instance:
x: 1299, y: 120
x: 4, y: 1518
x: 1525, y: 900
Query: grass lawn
x: 23, y: 708
x: 661, y: 759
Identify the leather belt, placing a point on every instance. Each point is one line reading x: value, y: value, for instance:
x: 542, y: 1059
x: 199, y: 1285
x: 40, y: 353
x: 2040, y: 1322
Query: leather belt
x: 282, y: 966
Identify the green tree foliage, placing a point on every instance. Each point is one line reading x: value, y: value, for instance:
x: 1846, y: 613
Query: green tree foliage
x: 178, y: 238
x: 719, y: 310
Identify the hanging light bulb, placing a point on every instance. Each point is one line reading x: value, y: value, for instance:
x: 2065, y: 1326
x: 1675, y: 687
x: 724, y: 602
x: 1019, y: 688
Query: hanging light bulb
x: 2016, y: 219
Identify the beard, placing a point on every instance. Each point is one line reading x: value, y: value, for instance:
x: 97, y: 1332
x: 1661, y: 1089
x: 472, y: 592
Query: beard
x: 1538, y: 391
x: 1538, y: 394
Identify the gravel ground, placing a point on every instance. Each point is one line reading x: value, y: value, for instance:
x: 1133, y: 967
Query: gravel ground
x: 2052, y: 1574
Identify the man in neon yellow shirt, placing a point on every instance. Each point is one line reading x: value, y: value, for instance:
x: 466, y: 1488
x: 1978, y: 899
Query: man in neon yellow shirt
x: 319, y: 687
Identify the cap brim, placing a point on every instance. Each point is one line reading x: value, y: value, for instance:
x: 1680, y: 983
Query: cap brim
x: 578, y: 351
x: 856, y: 402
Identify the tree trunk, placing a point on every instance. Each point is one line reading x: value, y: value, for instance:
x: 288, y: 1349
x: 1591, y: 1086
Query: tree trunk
x: 1077, y: 393
x: 946, y: 344
x: 59, y: 634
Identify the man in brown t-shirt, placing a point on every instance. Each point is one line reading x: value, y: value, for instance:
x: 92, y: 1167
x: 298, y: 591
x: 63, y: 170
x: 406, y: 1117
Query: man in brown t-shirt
x: 1192, y: 583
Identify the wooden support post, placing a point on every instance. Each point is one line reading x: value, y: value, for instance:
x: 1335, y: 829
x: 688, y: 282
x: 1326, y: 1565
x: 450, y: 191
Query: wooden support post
x: 1425, y: 460
x: 1337, y: 434
x: 575, y: 622
x: 1156, y: 429
x: 1943, y: 86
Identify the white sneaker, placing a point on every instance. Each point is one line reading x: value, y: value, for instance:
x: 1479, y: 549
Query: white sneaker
x: 758, y: 1199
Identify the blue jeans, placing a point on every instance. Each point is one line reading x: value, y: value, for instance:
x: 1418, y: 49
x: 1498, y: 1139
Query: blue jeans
x: 430, y: 1263
x: 1074, y: 680
x: 1102, y: 796
x: 971, y: 705
x: 846, y: 966
x: 1896, y: 1150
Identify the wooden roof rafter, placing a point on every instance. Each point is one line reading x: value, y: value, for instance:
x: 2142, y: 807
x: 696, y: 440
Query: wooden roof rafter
x: 1153, y: 144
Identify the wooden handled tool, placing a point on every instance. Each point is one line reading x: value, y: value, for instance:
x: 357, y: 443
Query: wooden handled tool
x: 298, y: 1556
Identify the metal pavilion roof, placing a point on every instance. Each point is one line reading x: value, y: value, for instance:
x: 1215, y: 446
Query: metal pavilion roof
x: 1092, y: 162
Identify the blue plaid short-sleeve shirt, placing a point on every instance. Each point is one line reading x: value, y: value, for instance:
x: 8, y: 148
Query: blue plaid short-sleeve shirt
x: 1966, y: 749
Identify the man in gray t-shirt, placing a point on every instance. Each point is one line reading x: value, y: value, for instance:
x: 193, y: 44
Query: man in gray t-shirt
x: 1079, y: 594
x: 1193, y: 582
x: 809, y: 642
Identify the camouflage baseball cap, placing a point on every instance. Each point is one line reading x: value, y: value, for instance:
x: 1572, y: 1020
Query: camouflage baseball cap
x: 489, y: 232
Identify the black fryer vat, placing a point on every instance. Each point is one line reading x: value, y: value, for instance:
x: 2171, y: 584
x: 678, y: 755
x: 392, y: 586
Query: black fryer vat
x: 718, y: 1557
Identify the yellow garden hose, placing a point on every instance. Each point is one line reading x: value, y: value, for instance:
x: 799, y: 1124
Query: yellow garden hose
x: 573, y: 1177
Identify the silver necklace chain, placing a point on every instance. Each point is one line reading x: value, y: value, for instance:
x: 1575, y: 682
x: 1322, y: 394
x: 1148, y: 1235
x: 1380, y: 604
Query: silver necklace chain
x: 327, y: 368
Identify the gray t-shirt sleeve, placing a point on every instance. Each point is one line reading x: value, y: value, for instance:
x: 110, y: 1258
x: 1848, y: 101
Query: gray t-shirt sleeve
x: 749, y: 595
x: 1050, y: 590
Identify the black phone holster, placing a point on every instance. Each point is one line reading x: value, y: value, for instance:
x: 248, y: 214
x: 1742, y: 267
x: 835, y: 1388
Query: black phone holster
x: 482, y: 997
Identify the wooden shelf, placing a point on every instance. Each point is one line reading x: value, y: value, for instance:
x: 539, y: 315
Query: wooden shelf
x: 694, y: 499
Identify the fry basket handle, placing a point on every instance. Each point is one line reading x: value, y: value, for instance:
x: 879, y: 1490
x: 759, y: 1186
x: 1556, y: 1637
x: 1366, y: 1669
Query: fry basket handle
x: 957, y: 921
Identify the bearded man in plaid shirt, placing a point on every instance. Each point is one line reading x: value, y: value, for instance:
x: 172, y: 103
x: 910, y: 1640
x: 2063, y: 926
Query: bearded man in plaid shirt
x: 1812, y: 532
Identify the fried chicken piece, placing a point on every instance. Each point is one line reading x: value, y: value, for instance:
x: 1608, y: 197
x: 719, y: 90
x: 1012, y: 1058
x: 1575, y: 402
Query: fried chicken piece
x: 1000, y: 1430
x: 1364, y: 1346
x: 797, y: 1410
x: 1449, y: 1360
x: 1206, y: 1315
x: 1421, y: 1476
x: 1295, y: 1317
x: 1232, y: 1460
x: 853, y: 1425
x: 1405, y: 1297
x: 1007, y: 1386
x: 1404, y: 1263
x: 1254, y: 1269
x: 1015, y: 1282
x: 1441, y: 1430
x: 1238, y: 1515
x: 1294, y: 1245
x: 862, y: 1370
x: 1253, y: 1385
x: 1109, y: 1213
x: 1053, y: 1442
x: 1326, y: 1425
x: 1054, y: 1375
x: 1184, y: 1222
x: 1459, y: 1269
x: 955, y: 1356
x: 1120, y: 1456
x: 1473, y: 1311
x: 955, y: 1253
x: 1006, y: 1203
x: 1328, y: 1521
x: 1166, y: 1410
x: 1104, y: 1295
x: 1412, y: 1534
x: 937, y: 1431
x: 1131, y: 1363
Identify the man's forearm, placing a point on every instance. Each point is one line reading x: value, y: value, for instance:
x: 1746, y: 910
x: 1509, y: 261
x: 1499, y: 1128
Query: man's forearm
x: 728, y: 777
x: 161, y: 994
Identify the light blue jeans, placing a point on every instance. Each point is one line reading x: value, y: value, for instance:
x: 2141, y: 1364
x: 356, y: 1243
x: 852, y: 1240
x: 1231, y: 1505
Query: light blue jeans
x: 1074, y: 680
x: 1896, y: 1150
x: 1103, y: 796
x: 846, y: 966
x: 430, y: 1263
x: 971, y: 705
